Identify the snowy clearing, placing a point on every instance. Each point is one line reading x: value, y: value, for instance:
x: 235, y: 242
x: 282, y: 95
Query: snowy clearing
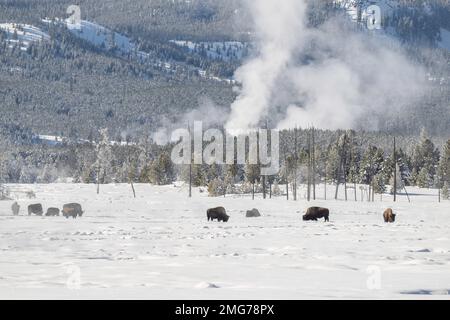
x: 23, y: 34
x: 160, y: 246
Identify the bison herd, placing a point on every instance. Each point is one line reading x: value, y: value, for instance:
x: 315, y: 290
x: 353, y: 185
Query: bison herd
x: 73, y: 210
x: 312, y: 214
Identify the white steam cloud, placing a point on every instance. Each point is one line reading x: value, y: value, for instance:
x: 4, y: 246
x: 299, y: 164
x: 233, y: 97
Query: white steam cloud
x: 330, y: 77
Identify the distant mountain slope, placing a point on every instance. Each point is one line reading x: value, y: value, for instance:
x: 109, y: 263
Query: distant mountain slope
x: 135, y: 64
x: 22, y: 35
x: 424, y: 20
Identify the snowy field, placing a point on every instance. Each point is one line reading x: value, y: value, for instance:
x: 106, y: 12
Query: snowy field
x: 160, y: 246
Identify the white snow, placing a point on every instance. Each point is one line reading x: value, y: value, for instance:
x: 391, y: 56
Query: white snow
x: 101, y: 36
x: 26, y: 34
x: 160, y: 246
x: 227, y: 50
x: 350, y: 6
x: 444, y: 43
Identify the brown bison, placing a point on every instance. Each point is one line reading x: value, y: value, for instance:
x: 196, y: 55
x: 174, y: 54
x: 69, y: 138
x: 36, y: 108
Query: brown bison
x: 254, y: 213
x: 72, y: 210
x: 315, y: 213
x: 218, y: 213
x: 35, y: 209
x: 389, y: 215
x: 52, y: 212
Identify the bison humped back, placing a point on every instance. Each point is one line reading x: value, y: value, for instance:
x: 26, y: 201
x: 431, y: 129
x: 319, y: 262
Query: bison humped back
x: 315, y: 213
x: 218, y: 214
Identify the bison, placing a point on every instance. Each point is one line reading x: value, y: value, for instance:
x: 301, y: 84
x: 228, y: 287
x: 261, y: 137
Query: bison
x: 389, y: 216
x: 315, y: 213
x: 35, y: 209
x: 254, y: 213
x: 218, y: 213
x: 72, y: 210
x: 52, y: 212
x: 15, y: 208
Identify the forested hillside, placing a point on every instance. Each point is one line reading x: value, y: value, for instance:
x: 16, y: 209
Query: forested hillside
x: 65, y: 86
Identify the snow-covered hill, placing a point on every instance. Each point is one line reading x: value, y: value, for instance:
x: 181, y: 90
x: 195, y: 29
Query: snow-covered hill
x: 107, y: 39
x: 444, y: 42
x: 358, y: 8
x: 101, y: 36
x: 23, y: 34
x: 357, y: 11
x: 228, y: 50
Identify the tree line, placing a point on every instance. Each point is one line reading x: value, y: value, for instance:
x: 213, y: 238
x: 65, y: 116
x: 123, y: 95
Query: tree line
x: 307, y: 156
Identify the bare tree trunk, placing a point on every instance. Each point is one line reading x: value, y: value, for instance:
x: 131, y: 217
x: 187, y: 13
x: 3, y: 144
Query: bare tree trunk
x: 270, y: 190
x: 132, y: 188
x: 395, y: 171
x: 190, y: 180
x: 287, y: 176
x: 309, y: 167
x: 407, y: 194
x: 287, y: 189
x: 314, y: 162
x: 325, y: 185
x: 98, y: 180
x: 190, y: 163
x: 264, y: 186
x: 253, y: 191
x: 345, y: 186
x: 294, y: 185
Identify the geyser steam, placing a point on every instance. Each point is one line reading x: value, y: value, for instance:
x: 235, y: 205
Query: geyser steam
x: 330, y: 76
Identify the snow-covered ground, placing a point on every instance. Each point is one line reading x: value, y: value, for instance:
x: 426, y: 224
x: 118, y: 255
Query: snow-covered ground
x: 228, y: 50
x: 23, y: 34
x: 160, y: 246
x: 351, y: 6
x: 444, y: 43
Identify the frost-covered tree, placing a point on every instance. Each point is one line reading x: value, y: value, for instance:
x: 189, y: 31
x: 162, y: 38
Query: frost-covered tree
x: 399, y: 183
x: 444, y: 165
x: 276, y: 191
x: 252, y: 175
x: 425, y: 159
x: 445, y: 191
x: 216, y: 187
x: 104, y: 159
x: 371, y: 164
x: 379, y: 184
x: 424, y: 178
x: 161, y: 171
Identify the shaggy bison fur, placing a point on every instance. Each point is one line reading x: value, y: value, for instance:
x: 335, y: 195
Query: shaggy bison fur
x: 35, y: 209
x: 389, y: 216
x: 52, y: 212
x: 218, y: 214
x: 315, y: 213
x: 72, y: 210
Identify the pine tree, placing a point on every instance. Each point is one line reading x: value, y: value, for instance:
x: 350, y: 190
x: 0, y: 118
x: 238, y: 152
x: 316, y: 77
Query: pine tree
x: 252, y: 174
x: 445, y: 191
x: 399, y: 183
x: 423, y: 178
x: 379, y: 184
x: 371, y: 164
x: 276, y: 191
x: 425, y: 156
x: 216, y: 187
x: 444, y: 165
x: 161, y: 171
x: 104, y: 159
